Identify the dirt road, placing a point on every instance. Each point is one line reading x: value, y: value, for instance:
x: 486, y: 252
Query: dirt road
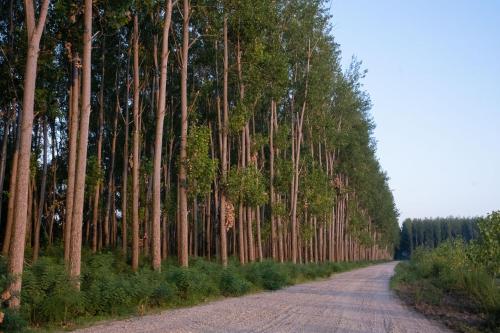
x: 351, y: 302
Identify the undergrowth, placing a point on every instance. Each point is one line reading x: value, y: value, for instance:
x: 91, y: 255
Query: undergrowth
x: 110, y: 289
x: 449, y: 284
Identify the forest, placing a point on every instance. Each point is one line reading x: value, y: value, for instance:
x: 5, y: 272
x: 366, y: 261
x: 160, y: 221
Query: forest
x: 163, y: 130
x: 430, y: 232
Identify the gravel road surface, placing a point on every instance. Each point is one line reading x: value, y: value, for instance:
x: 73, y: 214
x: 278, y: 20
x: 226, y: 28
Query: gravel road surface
x: 352, y: 302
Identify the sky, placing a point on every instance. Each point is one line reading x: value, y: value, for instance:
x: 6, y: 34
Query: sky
x: 434, y: 81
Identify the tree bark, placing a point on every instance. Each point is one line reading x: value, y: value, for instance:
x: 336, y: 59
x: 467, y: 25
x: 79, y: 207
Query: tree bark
x: 16, y: 253
x: 111, y: 193
x: 81, y: 165
x: 3, y: 158
x: 43, y: 187
x: 73, y: 142
x: 135, y: 153
x: 160, y: 116
x: 224, y: 147
x: 183, y: 218
x: 12, y: 191
x: 271, y: 182
x: 124, y: 189
x: 96, y: 214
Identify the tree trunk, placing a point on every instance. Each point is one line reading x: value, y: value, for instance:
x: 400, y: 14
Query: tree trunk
x: 96, y: 216
x: 135, y: 153
x: 3, y: 158
x: 16, y: 253
x: 73, y: 142
x: 224, y: 147
x: 111, y: 193
x: 160, y: 116
x: 124, y: 189
x: 54, y: 184
x: 183, y: 218
x: 43, y: 186
x: 12, y: 191
x: 271, y: 182
x: 81, y: 165
x: 259, y: 238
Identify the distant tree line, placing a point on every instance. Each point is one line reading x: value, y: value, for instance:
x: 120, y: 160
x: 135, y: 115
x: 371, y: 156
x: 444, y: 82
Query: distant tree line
x: 430, y: 232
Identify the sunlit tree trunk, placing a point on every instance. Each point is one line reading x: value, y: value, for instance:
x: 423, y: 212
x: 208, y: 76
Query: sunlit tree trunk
x: 160, y: 116
x: 224, y: 147
x: 81, y: 165
x: 17, y: 243
x: 73, y: 146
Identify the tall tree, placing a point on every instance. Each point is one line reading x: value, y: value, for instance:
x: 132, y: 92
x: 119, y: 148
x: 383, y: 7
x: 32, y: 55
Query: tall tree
x: 34, y: 32
x: 160, y: 117
x: 135, y: 151
x: 182, y: 210
x: 224, y: 147
x: 74, y: 115
x: 83, y: 133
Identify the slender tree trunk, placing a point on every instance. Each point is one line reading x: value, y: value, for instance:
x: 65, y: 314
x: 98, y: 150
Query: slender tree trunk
x: 17, y: 244
x: 160, y: 116
x: 96, y: 216
x: 135, y: 153
x: 241, y: 235
x: 250, y: 213
x: 224, y: 147
x: 12, y: 191
x: 54, y: 184
x: 111, y: 193
x: 124, y: 190
x: 183, y: 218
x: 81, y: 165
x: 32, y: 210
x: 146, y: 243
x: 3, y: 158
x: 271, y: 182
x: 167, y: 197
x: 73, y: 146
x: 43, y: 186
x: 259, y: 236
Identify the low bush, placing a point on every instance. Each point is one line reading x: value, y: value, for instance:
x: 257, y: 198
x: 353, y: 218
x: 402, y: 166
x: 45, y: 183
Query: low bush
x: 232, y: 284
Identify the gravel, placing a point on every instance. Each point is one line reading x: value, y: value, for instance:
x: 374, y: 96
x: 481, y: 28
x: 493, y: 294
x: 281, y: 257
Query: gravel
x: 351, y: 302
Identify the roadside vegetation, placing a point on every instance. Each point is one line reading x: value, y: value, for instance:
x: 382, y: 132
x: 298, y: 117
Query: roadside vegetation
x: 457, y: 282
x: 109, y: 288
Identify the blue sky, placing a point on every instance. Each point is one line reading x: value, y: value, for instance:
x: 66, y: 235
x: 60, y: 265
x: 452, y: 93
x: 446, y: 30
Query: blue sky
x: 434, y: 80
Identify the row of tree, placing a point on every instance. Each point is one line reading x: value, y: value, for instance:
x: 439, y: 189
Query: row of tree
x: 430, y: 232
x: 208, y: 128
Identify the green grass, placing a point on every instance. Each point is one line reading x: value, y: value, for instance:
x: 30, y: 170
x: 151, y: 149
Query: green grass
x: 109, y: 289
x: 447, y: 284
